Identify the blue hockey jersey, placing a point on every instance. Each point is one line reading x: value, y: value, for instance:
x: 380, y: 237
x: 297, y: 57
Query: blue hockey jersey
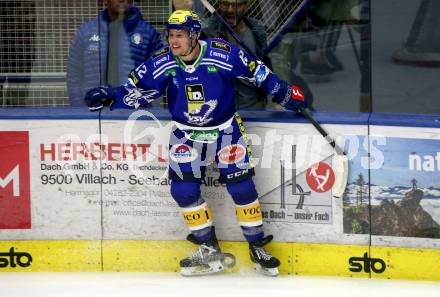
x: 200, y: 94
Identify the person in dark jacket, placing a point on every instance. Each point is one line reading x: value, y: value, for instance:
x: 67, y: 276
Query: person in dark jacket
x: 253, y: 34
x: 105, y: 49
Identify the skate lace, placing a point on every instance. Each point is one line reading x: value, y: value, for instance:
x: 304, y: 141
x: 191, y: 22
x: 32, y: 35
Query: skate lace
x: 202, y: 252
x: 262, y: 254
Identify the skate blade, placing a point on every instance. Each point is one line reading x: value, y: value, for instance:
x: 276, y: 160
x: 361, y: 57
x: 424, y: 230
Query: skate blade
x: 266, y: 271
x: 210, y: 268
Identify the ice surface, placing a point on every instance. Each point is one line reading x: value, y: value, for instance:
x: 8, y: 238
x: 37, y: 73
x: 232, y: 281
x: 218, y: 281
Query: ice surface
x: 172, y: 284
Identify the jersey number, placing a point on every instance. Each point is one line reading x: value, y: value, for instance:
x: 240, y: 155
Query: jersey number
x: 141, y: 71
x: 243, y: 58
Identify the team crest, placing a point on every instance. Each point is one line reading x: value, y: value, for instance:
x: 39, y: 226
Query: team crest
x: 136, y: 38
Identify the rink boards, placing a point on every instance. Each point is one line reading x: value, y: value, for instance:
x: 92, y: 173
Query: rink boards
x: 163, y: 256
x: 72, y: 199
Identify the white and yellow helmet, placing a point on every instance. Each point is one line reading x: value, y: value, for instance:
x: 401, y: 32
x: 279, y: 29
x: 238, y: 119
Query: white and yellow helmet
x: 184, y: 20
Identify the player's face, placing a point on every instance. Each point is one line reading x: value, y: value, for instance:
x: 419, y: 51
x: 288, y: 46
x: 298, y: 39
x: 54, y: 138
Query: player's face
x: 179, y: 41
x: 233, y: 10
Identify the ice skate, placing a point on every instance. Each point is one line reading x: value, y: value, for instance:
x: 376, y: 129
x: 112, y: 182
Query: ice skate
x: 208, y: 259
x: 264, y: 262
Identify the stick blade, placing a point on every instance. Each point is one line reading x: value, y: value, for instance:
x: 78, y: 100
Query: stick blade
x: 340, y: 167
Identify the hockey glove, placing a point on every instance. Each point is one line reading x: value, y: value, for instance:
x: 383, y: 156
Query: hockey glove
x: 99, y: 97
x: 294, y: 99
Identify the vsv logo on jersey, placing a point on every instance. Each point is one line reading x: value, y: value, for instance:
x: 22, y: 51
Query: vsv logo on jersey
x: 15, y: 208
x: 131, y: 99
x: 201, y: 115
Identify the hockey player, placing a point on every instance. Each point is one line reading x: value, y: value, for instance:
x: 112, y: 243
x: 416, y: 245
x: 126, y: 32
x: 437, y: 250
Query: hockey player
x: 198, y: 79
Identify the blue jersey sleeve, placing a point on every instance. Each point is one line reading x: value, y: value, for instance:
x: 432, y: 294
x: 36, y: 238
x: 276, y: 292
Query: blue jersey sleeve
x: 248, y: 68
x: 144, y: 84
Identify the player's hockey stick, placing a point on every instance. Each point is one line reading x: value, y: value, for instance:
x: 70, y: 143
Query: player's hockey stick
x: 340, y: 160
x: 340, y: 163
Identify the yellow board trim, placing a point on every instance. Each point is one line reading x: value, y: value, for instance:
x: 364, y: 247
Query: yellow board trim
x: 54, y: 255
x: 404, y: 263
x: 164, y: 256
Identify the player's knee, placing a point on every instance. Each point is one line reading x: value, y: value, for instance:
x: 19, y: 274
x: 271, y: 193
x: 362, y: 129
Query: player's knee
x: 185, y: 193
x: 243, y: 192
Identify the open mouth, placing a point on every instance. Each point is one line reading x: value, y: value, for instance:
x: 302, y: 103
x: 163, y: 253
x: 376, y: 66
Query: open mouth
x: 231, y: 19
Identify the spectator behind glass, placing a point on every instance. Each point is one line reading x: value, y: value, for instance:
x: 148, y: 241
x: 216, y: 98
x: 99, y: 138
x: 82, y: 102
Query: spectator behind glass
x: 196, y: 6
x: 183, y: 4
x: 326, y: 19
x: 252, y: 33
x: 106, y: 48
